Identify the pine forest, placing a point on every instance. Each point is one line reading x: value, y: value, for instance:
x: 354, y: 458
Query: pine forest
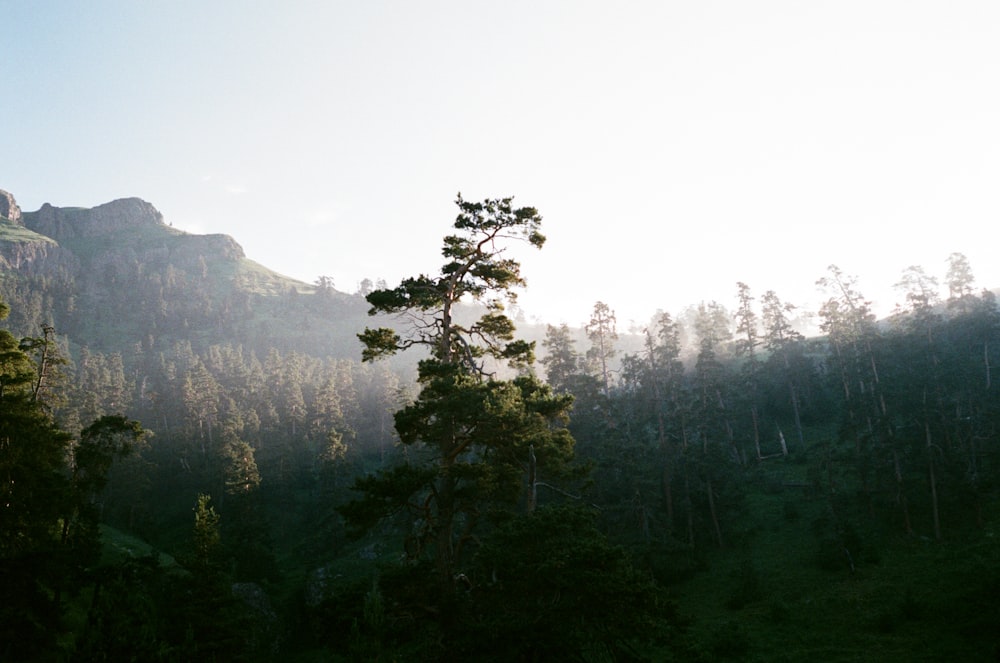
x: 203, y: 460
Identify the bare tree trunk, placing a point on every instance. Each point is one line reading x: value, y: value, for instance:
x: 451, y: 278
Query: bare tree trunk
x: 901, y: 494
x: 715, y: 516
x: 740, y: 456
x: 532, y: 480
x: 690, y: 509
x: 43, y: 363
x: 986, y: 362
x: 665, y: 478
x: 798, y: 416
x: 933, y: 480
x: 668, y: 495
x: 643, y: 515
x: 756, y: 431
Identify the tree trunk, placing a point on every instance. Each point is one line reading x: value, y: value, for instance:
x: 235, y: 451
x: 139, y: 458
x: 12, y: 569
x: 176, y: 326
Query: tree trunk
x: 933, y: 480
x: 443, y: 545
x: 661, y: 429
x: 690, y: 509
x: 794, y: 393
x: 986, y: 362
x: 668, y: 495
x: 532, y: 480
x: 43, y: 363
x: 756, y: 431
x: 715, y: 516
x: 737, y: 453
x: 904, y: 504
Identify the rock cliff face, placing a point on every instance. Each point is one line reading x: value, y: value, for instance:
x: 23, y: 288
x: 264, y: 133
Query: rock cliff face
x: 117, y: 275
x: 62, y: 223
x: 72, y: 241
x: 28, y: 253
x: 9, y: 208
x: 37, y: 259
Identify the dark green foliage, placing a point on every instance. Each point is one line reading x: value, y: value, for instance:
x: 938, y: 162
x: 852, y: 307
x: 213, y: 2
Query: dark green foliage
x: 548, y: 585
x: 124, y: 619
x: 386, y: 493
x: 379, y: 343
x: 16, y: 367
x: 140, y: 611
x: 29, y: 618
x: 746, y: 587
x: 394, y: 613
x: 35, y: 483
x: 730, y: 641
x: 35, y: 492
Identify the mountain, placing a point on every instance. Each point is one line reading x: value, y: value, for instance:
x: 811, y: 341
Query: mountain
x: 117, y: 275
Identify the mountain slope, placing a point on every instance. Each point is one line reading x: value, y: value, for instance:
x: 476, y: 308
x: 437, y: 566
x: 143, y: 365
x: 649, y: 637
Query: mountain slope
x: 116, y: 275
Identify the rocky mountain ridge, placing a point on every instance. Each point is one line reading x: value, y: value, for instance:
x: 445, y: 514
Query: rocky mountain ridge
x: 66, y: 223
x: 120, y: 220
x: 117, y: 273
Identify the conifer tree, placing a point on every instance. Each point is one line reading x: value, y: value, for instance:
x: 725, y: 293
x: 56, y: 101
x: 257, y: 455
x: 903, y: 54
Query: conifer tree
x: 35, y: 492
x: 711, y: 411
x: 959, y: 280
x: 562, y: 361
x: 747, y: 346
x: 785, y: 347
x: 602, y: 334
x: 483, y: 442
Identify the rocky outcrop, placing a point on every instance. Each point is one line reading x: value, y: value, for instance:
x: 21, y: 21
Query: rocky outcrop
x: 40, y: 258
x: 66, y: 223
x: 28, y: 253
x: 132, y: 233
x: 264, y: 636
x: 193, y: 247
x: 9, y: 208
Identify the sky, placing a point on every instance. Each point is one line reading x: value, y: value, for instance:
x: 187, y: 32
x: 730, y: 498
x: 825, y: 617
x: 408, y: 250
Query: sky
x: 672, y: 148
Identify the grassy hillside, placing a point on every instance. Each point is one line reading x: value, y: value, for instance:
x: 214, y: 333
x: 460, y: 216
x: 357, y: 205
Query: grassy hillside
x: 13, y: 232
x: 785, y: 591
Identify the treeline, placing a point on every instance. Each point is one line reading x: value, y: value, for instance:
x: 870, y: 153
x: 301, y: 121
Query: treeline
x: 894, y: 416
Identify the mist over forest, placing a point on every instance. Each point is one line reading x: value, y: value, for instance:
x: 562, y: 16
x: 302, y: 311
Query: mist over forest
x: 202, y: 459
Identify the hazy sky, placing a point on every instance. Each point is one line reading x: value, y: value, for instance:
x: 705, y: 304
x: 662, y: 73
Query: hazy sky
x: 673, y: 148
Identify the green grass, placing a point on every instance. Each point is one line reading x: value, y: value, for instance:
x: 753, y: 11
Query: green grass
x: 12, y: 232
x: 118, y: 546
x: 771, y: 597
x: 260, y: 280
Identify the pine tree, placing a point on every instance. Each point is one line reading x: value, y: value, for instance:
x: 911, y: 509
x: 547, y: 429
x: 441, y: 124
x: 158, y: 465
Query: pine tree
x: 484, y: 442
x: 561, y: 361
x: 785, y: 347
x: 35, y: 492
x: 602, y: 334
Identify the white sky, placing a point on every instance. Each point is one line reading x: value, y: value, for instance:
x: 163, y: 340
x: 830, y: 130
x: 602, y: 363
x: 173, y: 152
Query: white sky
x: 673, y: 148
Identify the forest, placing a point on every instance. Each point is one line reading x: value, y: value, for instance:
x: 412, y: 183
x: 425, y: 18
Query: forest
x: 202, y: 462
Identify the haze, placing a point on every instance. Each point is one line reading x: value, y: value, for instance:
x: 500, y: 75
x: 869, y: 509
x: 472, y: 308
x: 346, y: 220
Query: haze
x: 672, y: 148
